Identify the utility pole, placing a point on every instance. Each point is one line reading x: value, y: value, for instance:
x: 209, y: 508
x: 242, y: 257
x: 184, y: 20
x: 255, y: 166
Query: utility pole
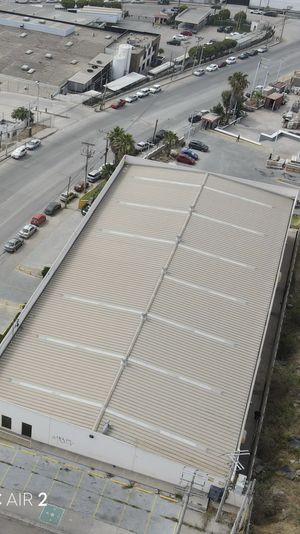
x: 255, y: 77
x: 38, y: 101
x: 284, y: 21
x: 184, y: 57
x: 87, y: 150
x: 29, y: 122
x: 68, y: 189
x: 155, y: 128
x: 106, y: 149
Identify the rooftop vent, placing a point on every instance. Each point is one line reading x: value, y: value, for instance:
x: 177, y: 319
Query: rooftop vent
x: 48, y: 56
x: 69, y: 43
x: 30, y: 71
x: 94, y: 67
x: 25, y: 67
x: 74, y: 61
x: 26, y: 19
x: 23, y: 35
x: 90, y: 70
x: 99, y: 62
x: 28, y: 52
x: 42, y: 21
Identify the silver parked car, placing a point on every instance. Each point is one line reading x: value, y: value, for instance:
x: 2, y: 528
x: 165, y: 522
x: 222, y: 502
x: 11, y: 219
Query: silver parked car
x: 27, y: 231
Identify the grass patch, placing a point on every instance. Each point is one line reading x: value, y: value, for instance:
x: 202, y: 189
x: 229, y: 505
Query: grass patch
x: 295, y: 222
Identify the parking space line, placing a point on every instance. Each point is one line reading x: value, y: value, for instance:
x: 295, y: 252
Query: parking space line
x: 32, y: 468
x: 170, y: 499
x: 93, y: 474
x: 25, y: 451
x: 76, y: 488
x: 138, y: 488
x: 50, y: 459
x: 4, y: 444
x: 8, y: 467
x: 100, y: 498
x: 151, y: 513
x: 72, y: 467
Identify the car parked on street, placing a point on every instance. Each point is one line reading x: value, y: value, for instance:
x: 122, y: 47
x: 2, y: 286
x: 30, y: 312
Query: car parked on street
x: 38, y: 219
x: 189, y: 152
x: 86, y: 207
x: 118, y: 104
x: 131, y: 98
x: 19, y: 152
x: 256, y: 12
x: 153, y: 140
x: 94, y: 175
x: 155, y: 89
x: 231, y: 60
x: 143, y: 92
x: 33, y: 144
x: 81, y: 186
x: 184, y: 158
x: 180, y: 37
x: 221, y: 29
x: 27, y: 231
x: 195, y: 144
x: 212, y: 67
x: 243, y: 55
x: 143, y: 145
x: 161, y: 134
x: 228, y: 29
x: 187, y: 33
x: 67, y: 196
x: 52, y: 208
x: 262, y: 49
x: 222, y: 64
x: 199, y: 72
x: 13, y: 244
x: 174, y: 42
x: 252, y: 52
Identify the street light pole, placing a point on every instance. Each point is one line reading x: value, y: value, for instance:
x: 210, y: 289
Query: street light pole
x: 38, y: 101
x: 255, y: 76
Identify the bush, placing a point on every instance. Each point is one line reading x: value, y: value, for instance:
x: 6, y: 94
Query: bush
x: 44, y: 271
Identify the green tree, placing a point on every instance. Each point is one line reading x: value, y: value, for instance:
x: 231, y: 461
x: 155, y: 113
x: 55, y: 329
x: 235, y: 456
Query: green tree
x: 107, y: 171
x: 226, y: 100
x: 23, y: 114
x: 170, y: 140
x: 224, y: 14
x: 121, y: 143
x: 219, y: 110
x: 238, y: 82
x: 68, y: 4
x: 240, y: 17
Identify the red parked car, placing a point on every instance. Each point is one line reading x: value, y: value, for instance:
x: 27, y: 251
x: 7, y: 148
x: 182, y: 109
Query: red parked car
x: 38, y: 219
x: 118, y: 104
x: 79, y: 188
x: 183, y: 158
x: 187, y: 33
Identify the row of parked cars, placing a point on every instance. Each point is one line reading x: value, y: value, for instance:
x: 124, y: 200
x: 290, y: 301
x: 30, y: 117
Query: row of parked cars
x: 37, y: 220
x: 21, y: 150
x: 142, y: 93
x: 188, y: 155
x: 230, y: 61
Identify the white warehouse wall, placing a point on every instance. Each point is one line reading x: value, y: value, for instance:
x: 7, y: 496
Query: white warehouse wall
x: 103, y: 448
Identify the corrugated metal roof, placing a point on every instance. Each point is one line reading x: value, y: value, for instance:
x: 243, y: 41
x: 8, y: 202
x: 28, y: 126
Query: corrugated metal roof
x: 155, y: 317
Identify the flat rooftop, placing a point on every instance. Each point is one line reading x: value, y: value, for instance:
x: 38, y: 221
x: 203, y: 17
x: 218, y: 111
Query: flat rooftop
x: 137, y: 40
x: 157, y: 313
x: 87, y: 43
x: 193, y: 15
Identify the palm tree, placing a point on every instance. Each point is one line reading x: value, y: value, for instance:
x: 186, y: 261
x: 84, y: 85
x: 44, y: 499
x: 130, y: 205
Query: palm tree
x: 121, y: 143
x: 238, y: 82
x: 170, y: 140
x: 226, y: 101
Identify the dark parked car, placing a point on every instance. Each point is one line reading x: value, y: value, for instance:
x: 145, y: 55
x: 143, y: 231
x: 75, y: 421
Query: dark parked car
x: 52, y: 208
x: 174, y: 42
x: 198, y: 145
x: 253, y: 52
x: 79, y: 188
x: 153, y: 140
x: 189, y: 152
x: 220, y: 29
x: 86, y: 207
x: 243, y: 55
x: 13, y: 244
x: 184, y: 158
x: 222, y: 64
x: 195, y: 118
x: 228, y: 29
x: 270, y: 13
x: 160, y: 134
x: 187, y: 33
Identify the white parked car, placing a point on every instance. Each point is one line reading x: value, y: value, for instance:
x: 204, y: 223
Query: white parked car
x: 131, y: 98
x: 19, y: 152
x: 27, y: 231
x: 33, y: 143
x: 199, y: 72
x: 262, y: 49
x: 212, y: 67
x: 180, y: 37
x: 155, y: 89
x: 256, y: 12
x: 143, y: 92
x: 231, y: 60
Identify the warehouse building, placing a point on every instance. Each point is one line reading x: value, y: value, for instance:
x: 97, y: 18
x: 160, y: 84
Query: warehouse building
x: 141, y: 346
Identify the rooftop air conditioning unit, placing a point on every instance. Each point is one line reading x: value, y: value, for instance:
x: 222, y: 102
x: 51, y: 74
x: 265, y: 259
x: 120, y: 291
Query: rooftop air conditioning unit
x: 42, y: 21
x: 74, y: 61
x: 30, y: 71
x: 26, y: 19
x: 69, y: 43
x: 28, y: 52
x: 25, y: 67
x: 48, y: 56
x: 89, y: 70
x: 23, y: 35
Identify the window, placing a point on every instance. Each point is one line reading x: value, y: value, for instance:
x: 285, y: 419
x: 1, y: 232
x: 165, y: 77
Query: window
x: 26, y: 430
x: 6, y: 421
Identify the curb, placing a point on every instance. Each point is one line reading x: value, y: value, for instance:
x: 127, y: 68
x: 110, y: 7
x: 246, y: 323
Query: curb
x: 236, y: 136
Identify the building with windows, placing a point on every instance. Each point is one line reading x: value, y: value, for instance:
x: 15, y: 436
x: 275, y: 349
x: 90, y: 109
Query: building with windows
x: 144, y: 48
x: 142, y: 346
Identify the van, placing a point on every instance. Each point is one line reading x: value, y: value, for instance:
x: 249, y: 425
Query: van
x: 38, y: 219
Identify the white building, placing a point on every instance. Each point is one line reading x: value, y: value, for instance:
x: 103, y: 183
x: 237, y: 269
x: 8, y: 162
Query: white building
x: 140, y: 347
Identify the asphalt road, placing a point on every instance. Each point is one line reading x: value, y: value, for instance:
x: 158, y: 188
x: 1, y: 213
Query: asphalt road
x: 27, y: 185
